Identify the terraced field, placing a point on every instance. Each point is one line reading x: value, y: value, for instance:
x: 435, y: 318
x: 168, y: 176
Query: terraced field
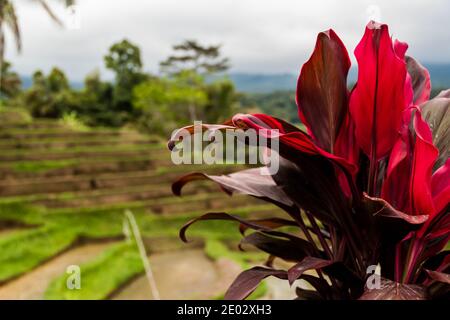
x: 63, y: 194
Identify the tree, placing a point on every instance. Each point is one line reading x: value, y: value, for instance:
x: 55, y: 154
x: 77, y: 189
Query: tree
x: 57, y: 80
x: 11, y: 82
x: 50, y: 96
x: 192, y: 56
x: 8, y: 19
x: 222, y: 101
x: 165, y: 102
x: 124, y: 59
x: 96, y: 106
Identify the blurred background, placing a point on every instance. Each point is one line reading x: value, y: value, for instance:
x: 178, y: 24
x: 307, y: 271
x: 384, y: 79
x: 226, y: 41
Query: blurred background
x: 89, y: 94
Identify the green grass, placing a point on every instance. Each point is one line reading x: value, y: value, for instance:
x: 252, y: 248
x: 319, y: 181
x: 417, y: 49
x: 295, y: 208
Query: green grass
x: 102, y: 276
x: 25, y: 250
x: 33, y: 142
x: 58, y: 130
x: 42, y: 165
x: 46, y: 165
x: 22, y: 213
x: 72, y: 121
x: 127, y: 205
x: 107, y: 148
x: 59, y: 229
x: 15, y: 115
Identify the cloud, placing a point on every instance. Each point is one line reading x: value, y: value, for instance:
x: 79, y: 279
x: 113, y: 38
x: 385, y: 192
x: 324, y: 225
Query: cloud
x: 260, y: 36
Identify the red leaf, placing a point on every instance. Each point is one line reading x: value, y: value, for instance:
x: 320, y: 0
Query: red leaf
x: 347, y: 148
x: 400, y: 50
x: 378, y: 100
x: 382, y: 208
x: 408, y: 181
x: 322, y: 95
x: 297, y: 140
x: 440, y: 186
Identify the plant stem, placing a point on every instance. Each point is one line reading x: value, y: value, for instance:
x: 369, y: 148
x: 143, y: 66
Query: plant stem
x: 318, y: 232
x: 371, y: 183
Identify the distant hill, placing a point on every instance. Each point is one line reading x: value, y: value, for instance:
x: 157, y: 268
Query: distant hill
x: 265, y: 83
x: 27, y: 81
x: 440, y: 75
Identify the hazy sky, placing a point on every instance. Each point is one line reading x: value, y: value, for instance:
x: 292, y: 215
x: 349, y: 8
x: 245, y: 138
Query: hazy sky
x: 259, y: 36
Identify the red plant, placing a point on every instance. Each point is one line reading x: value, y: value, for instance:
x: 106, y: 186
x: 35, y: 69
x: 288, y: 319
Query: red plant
x: 368, y: 184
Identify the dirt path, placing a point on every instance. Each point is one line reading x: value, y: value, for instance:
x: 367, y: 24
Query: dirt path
x: 32, y: 285
x: 186, y: 274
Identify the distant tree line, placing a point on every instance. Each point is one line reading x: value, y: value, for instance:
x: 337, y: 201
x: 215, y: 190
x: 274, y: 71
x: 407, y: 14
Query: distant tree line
x: 180, y: 94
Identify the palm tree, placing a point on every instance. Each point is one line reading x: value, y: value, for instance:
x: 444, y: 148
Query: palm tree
x: 8, y: 19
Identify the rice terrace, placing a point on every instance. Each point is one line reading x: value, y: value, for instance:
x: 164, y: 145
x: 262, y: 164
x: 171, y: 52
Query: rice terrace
x: 63, y: 196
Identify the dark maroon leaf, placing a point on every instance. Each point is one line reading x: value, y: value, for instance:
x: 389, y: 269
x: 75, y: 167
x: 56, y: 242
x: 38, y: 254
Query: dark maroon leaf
x: 439, y: 262
x: 307, y: 263
x: 269, y: 223
x: 223, y: 216
x: 250, y: 182
x: 438, y: 291
x: 249, y: 280
x: 322, y: 95
x: 420, y: 80
x: 281, y: 245
x: 311, y: 183
x: 437, y: 113
x: 320, y: 284
x: 439, y: 276
x: 303, y: 294
x: 352, y: 284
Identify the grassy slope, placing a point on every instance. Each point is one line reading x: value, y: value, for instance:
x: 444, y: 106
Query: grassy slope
x: 101, y: 276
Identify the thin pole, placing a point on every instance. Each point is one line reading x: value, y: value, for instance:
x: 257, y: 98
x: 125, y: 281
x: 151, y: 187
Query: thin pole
x: 143, y: 254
